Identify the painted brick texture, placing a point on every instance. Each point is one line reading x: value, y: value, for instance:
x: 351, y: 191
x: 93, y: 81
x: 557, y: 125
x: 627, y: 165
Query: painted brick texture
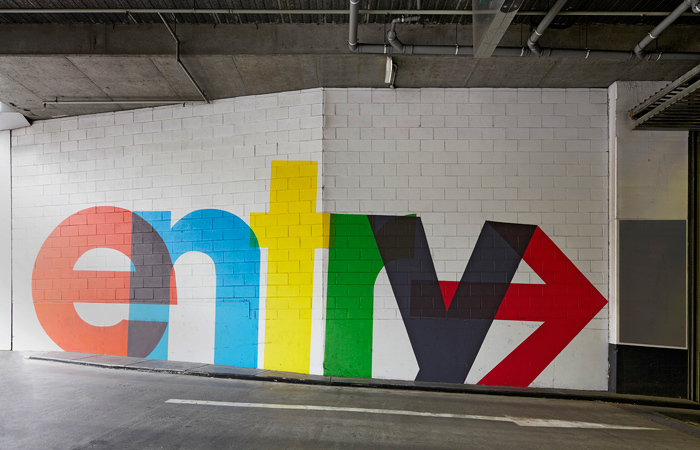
x: 459, y: 158
x: 317, y: 190
x: 167, y: 164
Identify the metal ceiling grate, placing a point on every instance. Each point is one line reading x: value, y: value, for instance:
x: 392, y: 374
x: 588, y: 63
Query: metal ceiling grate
x: 575, y: 13
x: 677, y: 106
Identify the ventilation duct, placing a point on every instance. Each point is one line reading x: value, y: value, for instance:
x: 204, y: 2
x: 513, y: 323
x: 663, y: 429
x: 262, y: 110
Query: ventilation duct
x: 10, y: 119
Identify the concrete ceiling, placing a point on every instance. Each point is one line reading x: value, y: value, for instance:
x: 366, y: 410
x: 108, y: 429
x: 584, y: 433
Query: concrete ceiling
x: 63, y: 62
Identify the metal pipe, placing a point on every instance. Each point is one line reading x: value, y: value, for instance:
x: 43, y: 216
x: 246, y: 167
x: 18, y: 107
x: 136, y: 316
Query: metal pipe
x: 409, y: 19
x: 539, y: 31
x: 395, y: 42
x: 397, y: 47
x: 179, y: 62
x: 352, y: 37
x: 653, y: 34
x: 695, y: 6
x: 121, y: 102
x: 458, y: 50
x: 391, y: 34
x: 342, y: 12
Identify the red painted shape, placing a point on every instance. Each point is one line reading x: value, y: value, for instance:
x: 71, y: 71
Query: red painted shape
x: 448, y: 289
x: 56, y: 286
x: 173, y: 287
x: 565, y: 304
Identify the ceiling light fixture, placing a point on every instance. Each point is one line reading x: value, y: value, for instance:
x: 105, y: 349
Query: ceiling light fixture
x: 390, y: 73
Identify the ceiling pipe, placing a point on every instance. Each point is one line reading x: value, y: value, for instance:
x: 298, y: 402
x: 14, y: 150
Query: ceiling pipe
x: 694, y: 5
x: 352, y: 37
x: 391, y: 34
x: 539, y: 31
x: 396, y: 47
x: 342, y: 12
x: 121, y: 102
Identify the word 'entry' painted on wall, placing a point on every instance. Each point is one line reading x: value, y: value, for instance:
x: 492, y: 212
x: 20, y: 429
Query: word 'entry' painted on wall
x: 446, y: 322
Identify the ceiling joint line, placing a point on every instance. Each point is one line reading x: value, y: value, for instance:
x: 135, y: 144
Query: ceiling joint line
x: 179, y: 61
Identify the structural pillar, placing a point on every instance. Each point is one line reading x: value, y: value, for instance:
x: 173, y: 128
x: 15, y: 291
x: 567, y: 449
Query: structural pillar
x: 694, y: 265
x: 5, y: 243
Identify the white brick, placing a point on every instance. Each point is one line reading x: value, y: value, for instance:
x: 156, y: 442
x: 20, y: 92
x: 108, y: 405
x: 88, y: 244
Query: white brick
x: 408, y: 122
x: 408, y: 96
x: 396, y: 133
x: 353, y: 109
x: 383, y: 122
x: 565, y: 109
x: 577, y: 96
x: 481, y: 121
x: 336, y: 95
x: 383, y: 96
x: 445, y: 109
x: 420, y: 109
x: 361, y: 96
x: 432, y: 95
x: 517, y: 133
x: 505, y: 96
x: 565, y: 133
x: 432, y: 121
x: 516, y: 109
x: 481, y: 95
x: 465, y: 134
x: 529, y: 96
x: 553, y: 96
x: 542, y: 133
x: 598, y: 96
x: 469, y: 109
x: 493, y: 109
x: 445, y: 133
x: 420, y: 133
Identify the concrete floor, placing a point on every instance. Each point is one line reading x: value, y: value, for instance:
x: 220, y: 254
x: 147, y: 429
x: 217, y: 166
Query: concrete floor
x: 49, y: 405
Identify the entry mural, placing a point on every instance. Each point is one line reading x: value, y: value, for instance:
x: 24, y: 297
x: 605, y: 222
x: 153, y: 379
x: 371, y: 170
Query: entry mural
x: 446, y: 321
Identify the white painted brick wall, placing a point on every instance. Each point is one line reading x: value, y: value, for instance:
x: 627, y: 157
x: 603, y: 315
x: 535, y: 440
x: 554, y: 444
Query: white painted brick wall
x: 465, y: 156
x: 175, y: 158
x: 6, y: 232
x: 455, y: 157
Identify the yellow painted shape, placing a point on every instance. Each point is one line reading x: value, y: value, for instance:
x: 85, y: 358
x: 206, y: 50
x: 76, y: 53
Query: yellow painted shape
x: 291, y: 231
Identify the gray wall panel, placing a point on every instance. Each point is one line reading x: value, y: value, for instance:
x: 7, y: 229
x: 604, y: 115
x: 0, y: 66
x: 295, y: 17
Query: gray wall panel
x: 652, y: 289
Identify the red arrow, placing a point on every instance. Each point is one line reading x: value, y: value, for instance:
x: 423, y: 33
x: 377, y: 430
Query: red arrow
x: 565, y: 303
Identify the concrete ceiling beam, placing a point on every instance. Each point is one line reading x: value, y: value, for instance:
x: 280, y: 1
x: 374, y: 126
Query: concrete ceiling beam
x: 224, y: 39
x: 42, y: 63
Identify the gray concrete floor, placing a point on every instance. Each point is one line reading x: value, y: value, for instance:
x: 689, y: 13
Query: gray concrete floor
x: 50, y: 405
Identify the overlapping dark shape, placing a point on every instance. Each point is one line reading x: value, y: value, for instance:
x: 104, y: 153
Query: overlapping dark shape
x: 149, y: 285
x: 446, y: 341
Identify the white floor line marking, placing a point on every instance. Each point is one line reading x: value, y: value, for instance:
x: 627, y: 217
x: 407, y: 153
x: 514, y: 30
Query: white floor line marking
x: 520, y: 421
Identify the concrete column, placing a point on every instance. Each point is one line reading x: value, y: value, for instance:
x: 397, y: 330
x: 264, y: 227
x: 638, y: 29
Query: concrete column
x: 648, y: 180
x: 5, y: 243
x: 648, y: 251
